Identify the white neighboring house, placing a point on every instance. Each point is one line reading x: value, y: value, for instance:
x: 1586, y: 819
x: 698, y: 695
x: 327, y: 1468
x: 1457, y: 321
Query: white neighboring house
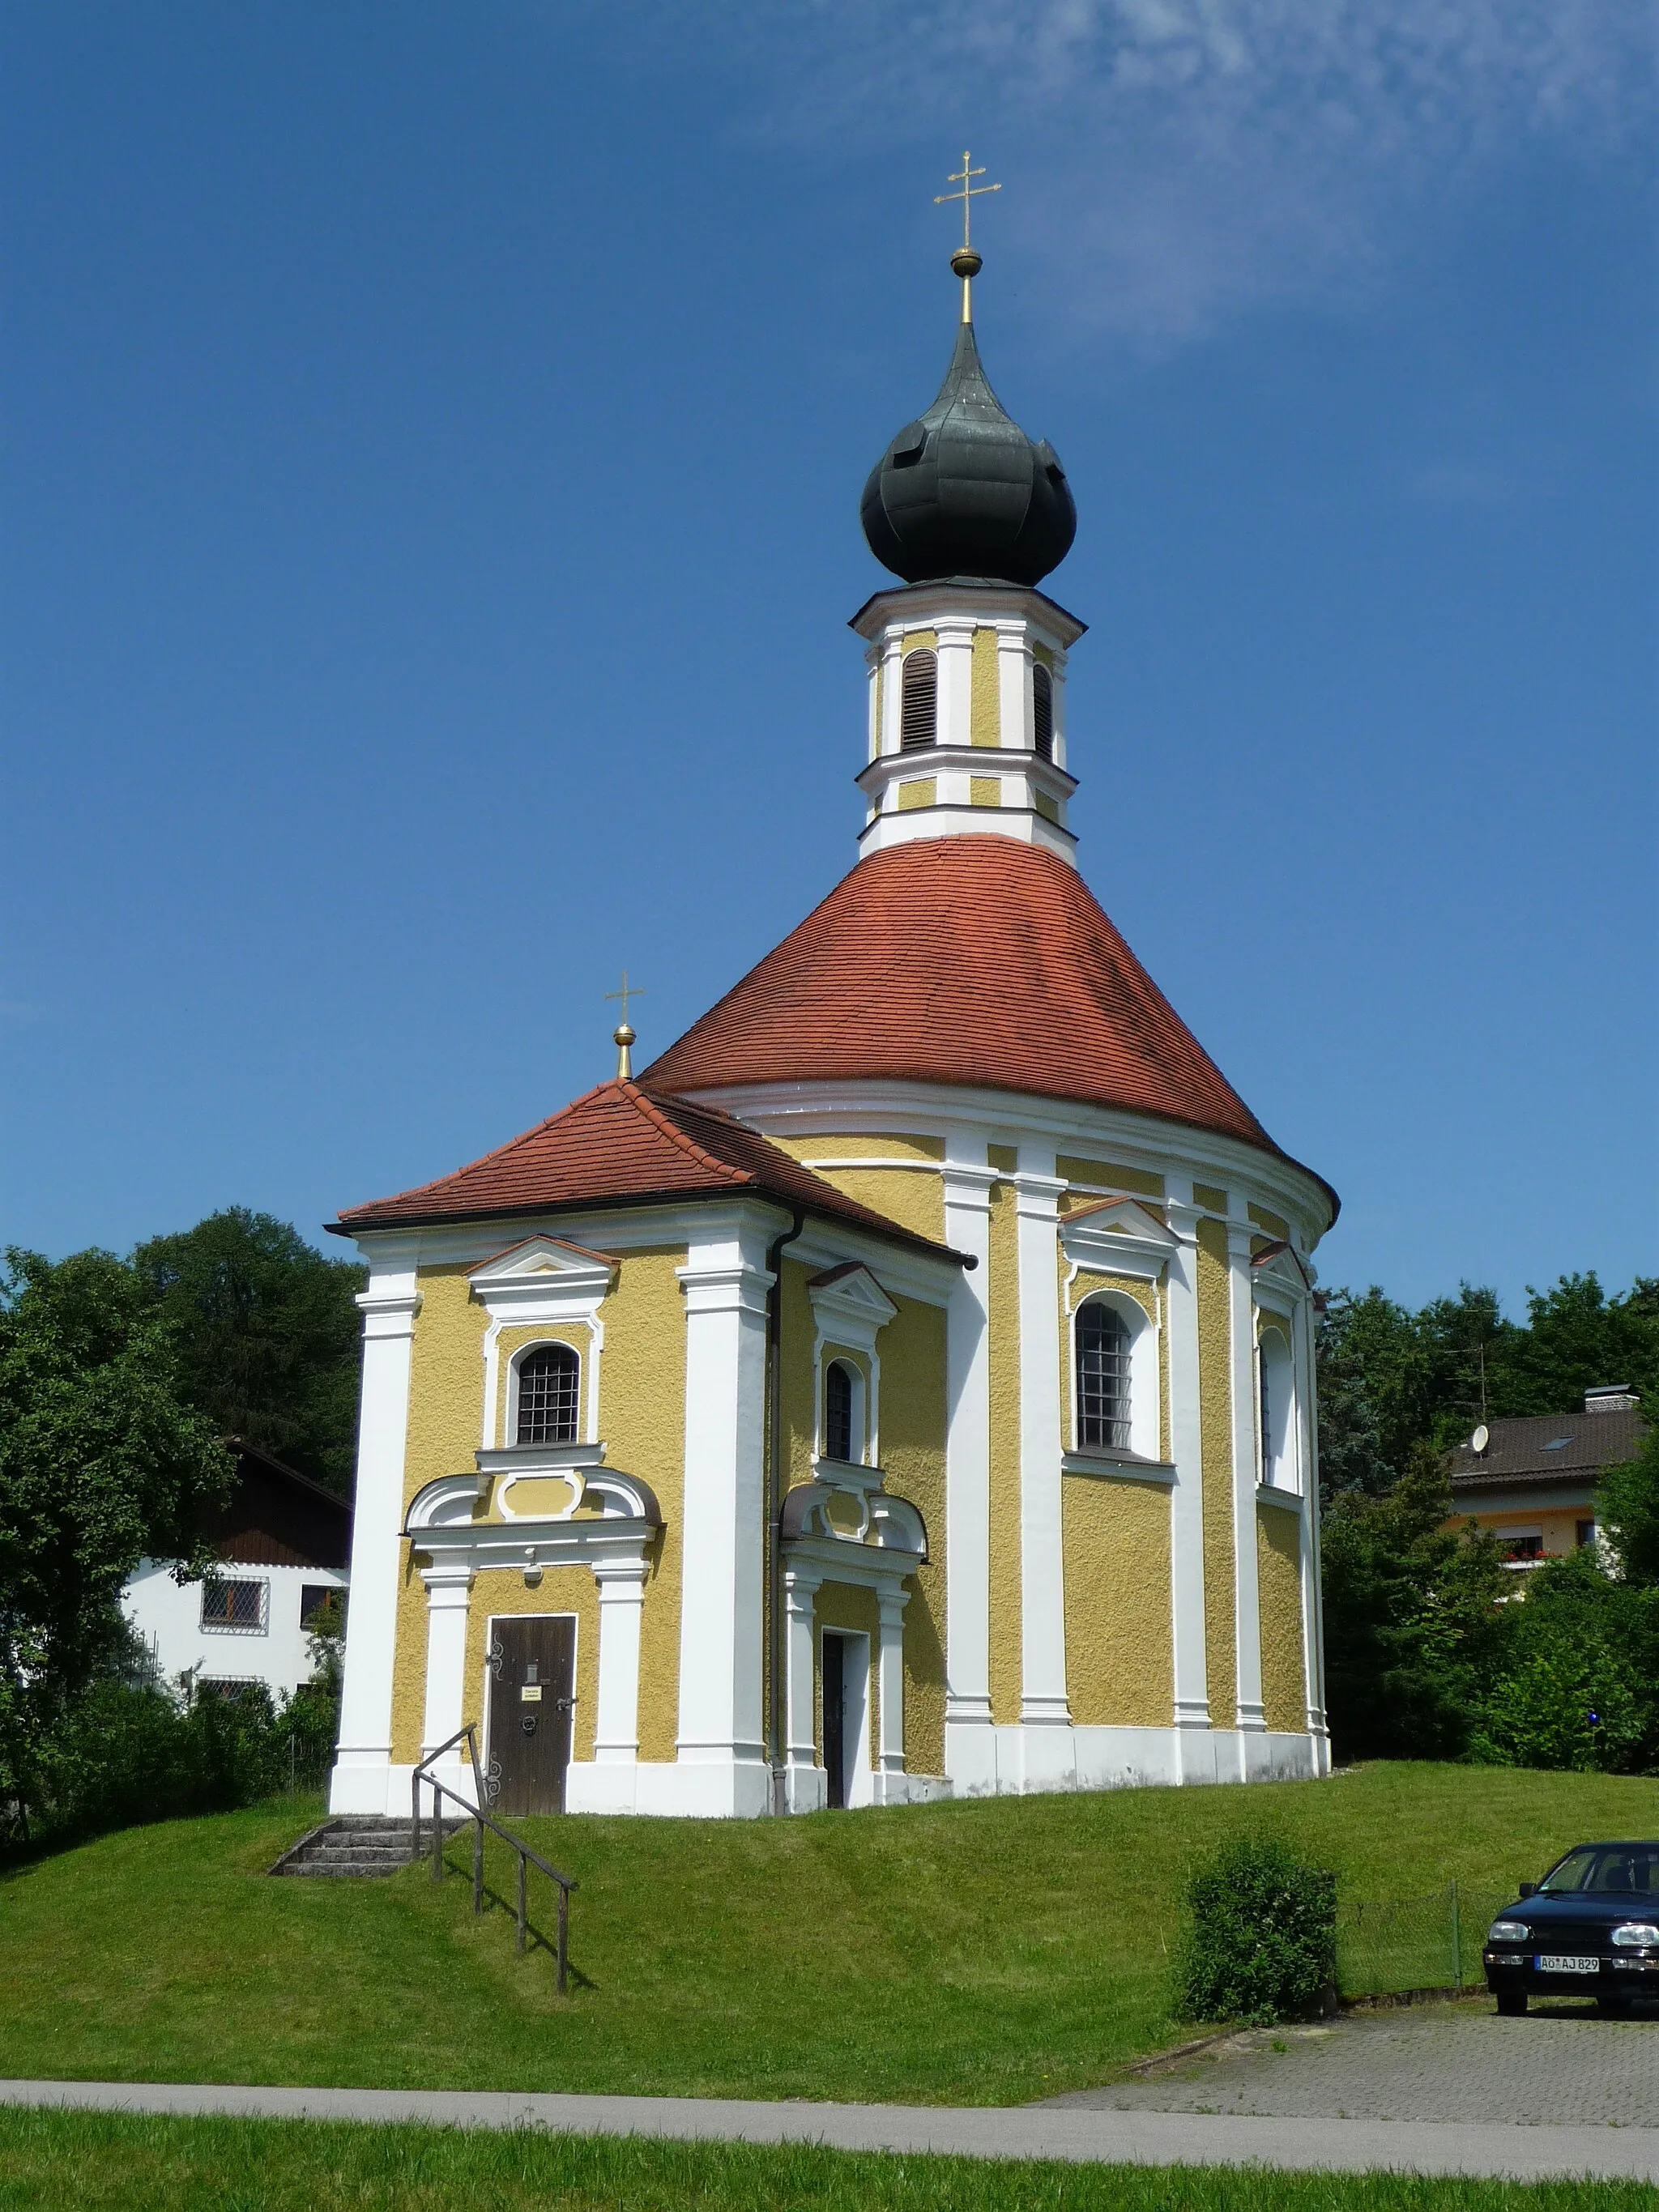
x: 283, y: 1543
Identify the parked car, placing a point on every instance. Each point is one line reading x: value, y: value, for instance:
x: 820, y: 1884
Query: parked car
x: 1589, y: 1928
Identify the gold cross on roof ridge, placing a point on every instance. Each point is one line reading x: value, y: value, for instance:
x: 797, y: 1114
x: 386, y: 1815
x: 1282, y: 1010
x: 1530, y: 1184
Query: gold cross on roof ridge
x: 965, y: 176
x: 622, y: 1035
x: 628, y: 991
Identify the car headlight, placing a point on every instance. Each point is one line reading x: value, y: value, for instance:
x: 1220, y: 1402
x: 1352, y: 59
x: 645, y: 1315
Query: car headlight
x: 1635, y: 1934
x: 1508, y: 1931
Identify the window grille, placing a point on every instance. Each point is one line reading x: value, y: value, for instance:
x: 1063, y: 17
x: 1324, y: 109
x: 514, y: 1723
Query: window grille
x: 837, y: 1412
x: 919, y: 701
x: 1103, y: 1378
x: 227, y: 1604
x: 548, y: 1380
x: 1042, y: 711
x: 1267, y: 1418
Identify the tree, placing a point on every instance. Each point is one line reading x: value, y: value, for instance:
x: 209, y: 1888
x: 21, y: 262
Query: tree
x: 267, y: 1333
x: 1412, y: 1629
x: 1627, y: 1511
x: 102, y: 1463
x: 1576, y: 1337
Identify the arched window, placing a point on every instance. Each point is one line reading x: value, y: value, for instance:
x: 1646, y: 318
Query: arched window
x: 549, y: 1381
x: 1277, y: 1401
x: 840, y: 1397
x: 1103, y: 1378
x: 1043, y: 710
x: 918, y: 701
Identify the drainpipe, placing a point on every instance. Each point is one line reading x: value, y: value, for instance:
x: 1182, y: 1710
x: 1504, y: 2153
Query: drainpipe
x: 775, y: 1504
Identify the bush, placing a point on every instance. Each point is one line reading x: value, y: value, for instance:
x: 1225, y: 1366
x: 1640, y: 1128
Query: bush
x: 1261, y: 1944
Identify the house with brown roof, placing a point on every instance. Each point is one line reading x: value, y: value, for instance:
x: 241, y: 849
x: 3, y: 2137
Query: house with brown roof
x: 905, y: 1387
x: 1531, y: 1483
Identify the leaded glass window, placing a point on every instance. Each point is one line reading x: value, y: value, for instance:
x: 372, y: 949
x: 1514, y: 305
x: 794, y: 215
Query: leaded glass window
x: 1103, y: 1378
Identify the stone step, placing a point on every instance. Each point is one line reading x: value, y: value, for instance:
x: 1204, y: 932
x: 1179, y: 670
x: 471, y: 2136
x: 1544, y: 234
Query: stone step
x: 357, y: 1845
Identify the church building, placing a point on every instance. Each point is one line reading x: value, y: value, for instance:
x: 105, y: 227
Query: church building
x: 903, y: 1387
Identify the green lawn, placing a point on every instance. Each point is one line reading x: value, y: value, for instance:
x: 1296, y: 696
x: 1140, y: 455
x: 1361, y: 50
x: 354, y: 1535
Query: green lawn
x: 52, y: 2162
x: 980, y: 1953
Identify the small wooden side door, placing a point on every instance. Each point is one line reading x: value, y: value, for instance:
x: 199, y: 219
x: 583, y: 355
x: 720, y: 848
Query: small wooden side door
x: 533, y: 1703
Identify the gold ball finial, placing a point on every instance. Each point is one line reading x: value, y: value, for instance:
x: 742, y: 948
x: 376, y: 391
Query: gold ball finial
x: 622, y: 1037
x: 966, y: 263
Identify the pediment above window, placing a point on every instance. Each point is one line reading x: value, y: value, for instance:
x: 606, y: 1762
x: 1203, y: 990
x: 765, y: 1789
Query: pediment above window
x: 1118, y: 1235
x: 543, y: 1279
x: 1278, y: 1278
x: 849, y: 1305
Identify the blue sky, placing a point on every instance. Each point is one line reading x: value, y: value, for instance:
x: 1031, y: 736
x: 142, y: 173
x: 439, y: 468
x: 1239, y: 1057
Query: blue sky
x: 432, y: 442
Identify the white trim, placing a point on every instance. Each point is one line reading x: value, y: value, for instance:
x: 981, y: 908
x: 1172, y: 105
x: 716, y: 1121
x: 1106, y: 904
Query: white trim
x: 967, y: 1533
x: 1041, y: 1551
x: 389, y: 1307
x: 1251, y: 1715
x: 1187, y: 1596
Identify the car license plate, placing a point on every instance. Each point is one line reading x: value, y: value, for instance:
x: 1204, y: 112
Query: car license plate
x: 1550, y: 1963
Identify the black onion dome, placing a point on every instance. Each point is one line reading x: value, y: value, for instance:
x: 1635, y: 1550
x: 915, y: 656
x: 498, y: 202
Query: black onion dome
x: 963, y: 492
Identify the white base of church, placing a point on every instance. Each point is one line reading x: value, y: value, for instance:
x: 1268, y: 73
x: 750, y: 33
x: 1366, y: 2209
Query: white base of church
x: 982, y: 1761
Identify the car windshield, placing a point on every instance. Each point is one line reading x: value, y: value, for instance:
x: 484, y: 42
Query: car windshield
x: 1612, y: 1870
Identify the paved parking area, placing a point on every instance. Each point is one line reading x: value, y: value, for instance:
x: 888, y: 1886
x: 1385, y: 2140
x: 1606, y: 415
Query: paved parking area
x: 1559, y: 2066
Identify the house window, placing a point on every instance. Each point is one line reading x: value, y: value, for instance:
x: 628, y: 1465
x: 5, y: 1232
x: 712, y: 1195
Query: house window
x: 840, y: 1396
x: 236, y: 1605
x: 1518, y: 1548
x: 548, y: 1388
x: 1103, y: 1378
x: 1584, y: 1531
x: 918, y: 702
x: 321, y: 1604
x: 1042, y: 711
x: 1276, y: 1393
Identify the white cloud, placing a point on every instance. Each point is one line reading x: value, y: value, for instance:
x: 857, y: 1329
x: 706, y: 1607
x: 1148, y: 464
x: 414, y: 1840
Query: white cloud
x: 1180, y: 159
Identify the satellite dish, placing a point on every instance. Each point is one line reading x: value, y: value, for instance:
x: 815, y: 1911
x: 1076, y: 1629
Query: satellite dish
x: 1480, y: 1439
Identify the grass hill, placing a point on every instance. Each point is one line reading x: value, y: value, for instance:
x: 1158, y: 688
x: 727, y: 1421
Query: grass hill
x: 972, y: 1953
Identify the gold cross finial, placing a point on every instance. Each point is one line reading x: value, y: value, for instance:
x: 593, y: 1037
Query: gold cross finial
x: 623, y: 1036
x: 966, y: 263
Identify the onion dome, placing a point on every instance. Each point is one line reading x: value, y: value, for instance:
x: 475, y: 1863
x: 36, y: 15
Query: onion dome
x: 963, y: 491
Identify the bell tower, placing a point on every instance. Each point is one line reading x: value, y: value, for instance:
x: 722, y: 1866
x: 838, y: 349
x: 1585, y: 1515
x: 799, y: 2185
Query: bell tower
x: 967, y: 658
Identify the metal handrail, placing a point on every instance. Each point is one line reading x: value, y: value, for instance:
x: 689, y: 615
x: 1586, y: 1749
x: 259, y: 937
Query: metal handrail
x: 480, y: 1821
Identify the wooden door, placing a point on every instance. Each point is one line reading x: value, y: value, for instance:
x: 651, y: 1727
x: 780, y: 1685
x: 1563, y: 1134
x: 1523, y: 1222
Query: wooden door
x: 834, y: 1668
x: 532, y: 1699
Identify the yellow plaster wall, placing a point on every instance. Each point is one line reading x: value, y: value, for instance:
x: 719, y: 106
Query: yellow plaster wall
x: 1042, y: 653
x: 984, y: 707
x: 1274, y: 1224
x: 641, y: 1418
x: 1215, y: 1414
x: 1004, y: 1302
x: 1046, y: 808
x: 1206, y: 1195
x: 1119, y: 1663
x: 919, y: 792
x: 844, y: 1605
x: 855, y: 1146
x: 915, y: 639
x: 915, y: 1201
x: 1279, y: 1580
x: 1109, y: 1175
x: 913, y: 1421
x: 1005, y: 1158
x: 985, y: 791
x: 562, y: 1589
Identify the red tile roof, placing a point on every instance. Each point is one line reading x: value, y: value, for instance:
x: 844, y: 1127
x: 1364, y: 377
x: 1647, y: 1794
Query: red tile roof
x: 621, y: 1145
x: 969, y: 960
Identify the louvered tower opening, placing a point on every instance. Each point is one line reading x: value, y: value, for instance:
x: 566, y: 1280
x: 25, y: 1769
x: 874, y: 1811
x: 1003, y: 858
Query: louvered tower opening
x: 919, y: 701
x: 1042, y: 711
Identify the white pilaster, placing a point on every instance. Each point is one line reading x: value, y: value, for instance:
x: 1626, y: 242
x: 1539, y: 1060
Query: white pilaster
x: 956, y: 680
x: 1313, y: 1611
x: 621, y: 1605
x: 1191, y: 1702
x: 968, y: 1453
x: 448, y: 1601
x: 725, y: 1282
x: 805, y: 1786
x: 1251, y: 1718
x: 892, y: 690
x: 362, y: 1779
x: 890, y: 1663
x: 1014, y: 685
x: 1041, y: 1558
